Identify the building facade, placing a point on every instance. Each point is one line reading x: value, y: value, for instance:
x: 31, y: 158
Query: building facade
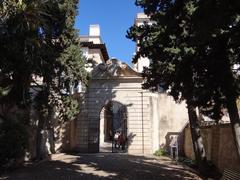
x: 115, y: 102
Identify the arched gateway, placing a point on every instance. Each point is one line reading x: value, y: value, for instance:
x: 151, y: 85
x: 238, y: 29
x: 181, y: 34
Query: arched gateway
x: 113, y: 102
x: 113, y: 127
x: 151, y: 117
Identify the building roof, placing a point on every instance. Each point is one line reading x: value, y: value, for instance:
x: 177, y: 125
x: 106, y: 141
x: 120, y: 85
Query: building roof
x: 141, y: 17
x: 102, y: 47
x: 115, y: 69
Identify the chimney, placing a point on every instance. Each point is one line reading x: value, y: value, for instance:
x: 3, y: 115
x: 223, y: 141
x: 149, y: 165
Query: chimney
x: 94, y: 30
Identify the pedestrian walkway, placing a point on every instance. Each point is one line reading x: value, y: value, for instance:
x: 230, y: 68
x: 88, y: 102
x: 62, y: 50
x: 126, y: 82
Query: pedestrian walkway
x: 104, y: 166
x: 106, y: 147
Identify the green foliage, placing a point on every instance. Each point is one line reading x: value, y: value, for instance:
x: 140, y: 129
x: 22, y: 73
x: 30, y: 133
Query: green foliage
x: 192, y: 49
x: 38, y: 38
x: 73, y: 63
x: 189, y: 162
x: 193, y: 46
x: 4, y: 91
x: 13, y: 135
x: 13, y: 140
x: 160, y: 152
x: 71, y: 108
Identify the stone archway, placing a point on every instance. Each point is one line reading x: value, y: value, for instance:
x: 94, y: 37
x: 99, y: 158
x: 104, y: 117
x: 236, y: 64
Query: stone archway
x: 115, y: 82
x: 113, y: 118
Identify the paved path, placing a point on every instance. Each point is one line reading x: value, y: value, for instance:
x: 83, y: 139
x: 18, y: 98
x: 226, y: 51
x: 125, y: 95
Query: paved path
x: 103, y: 166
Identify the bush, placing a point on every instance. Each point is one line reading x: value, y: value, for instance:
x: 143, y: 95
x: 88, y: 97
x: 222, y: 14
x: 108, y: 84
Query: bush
x: 13, y: 142
x: 189, y: 162
x: 160, y: 152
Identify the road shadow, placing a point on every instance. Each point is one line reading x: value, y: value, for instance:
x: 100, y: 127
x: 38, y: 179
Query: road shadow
x: 103, y: 166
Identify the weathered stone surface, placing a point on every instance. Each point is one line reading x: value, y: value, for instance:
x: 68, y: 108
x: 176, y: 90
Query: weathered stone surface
x: 150, y: 116
x: 218, y: 142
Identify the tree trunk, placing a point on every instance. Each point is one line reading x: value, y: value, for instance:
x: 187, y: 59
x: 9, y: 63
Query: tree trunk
x: 235, y: 122
x: 51, y: 140
x: 50, y: 134
x: 41, y: 140
x: 45, y: 130
x: 41, y: 150
x: 230, y: 91
x: 197, y: 141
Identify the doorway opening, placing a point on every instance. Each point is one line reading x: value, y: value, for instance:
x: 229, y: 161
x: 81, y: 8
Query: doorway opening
x: 113, y: 128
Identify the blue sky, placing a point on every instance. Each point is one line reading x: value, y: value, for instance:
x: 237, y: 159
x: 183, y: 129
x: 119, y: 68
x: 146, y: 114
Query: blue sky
x: 114, y: 18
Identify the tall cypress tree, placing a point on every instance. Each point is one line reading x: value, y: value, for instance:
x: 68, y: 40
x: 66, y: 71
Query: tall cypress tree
x: 185, y: 46
x: 37, y: 38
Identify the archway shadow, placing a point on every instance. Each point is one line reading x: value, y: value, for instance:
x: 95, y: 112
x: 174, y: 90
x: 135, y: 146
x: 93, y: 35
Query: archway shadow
x: 113, y: 127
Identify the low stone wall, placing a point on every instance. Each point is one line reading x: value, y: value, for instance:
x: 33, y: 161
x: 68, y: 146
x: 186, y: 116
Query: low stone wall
x: 219, y: 146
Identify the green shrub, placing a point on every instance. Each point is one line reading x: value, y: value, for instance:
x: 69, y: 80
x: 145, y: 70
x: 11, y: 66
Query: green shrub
x: 160, y: 152
x: 13, y: 141
x: 188, y: 162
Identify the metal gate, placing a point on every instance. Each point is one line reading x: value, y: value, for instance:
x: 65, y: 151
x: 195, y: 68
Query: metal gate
x: 119, y: 128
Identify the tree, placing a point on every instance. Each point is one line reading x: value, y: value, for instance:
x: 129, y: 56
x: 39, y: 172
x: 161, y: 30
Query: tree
x: 164, y: 42
x: 38, y: 39
x: 182, y: 62
x: 219, y: 46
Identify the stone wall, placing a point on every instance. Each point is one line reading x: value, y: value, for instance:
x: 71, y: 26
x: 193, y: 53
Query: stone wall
x: 152, y: 117
x: 126, y: 91
x: 219, y: 145
x: 168, y: 119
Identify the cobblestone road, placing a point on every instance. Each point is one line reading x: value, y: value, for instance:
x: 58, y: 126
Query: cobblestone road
x: 103, y: 166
